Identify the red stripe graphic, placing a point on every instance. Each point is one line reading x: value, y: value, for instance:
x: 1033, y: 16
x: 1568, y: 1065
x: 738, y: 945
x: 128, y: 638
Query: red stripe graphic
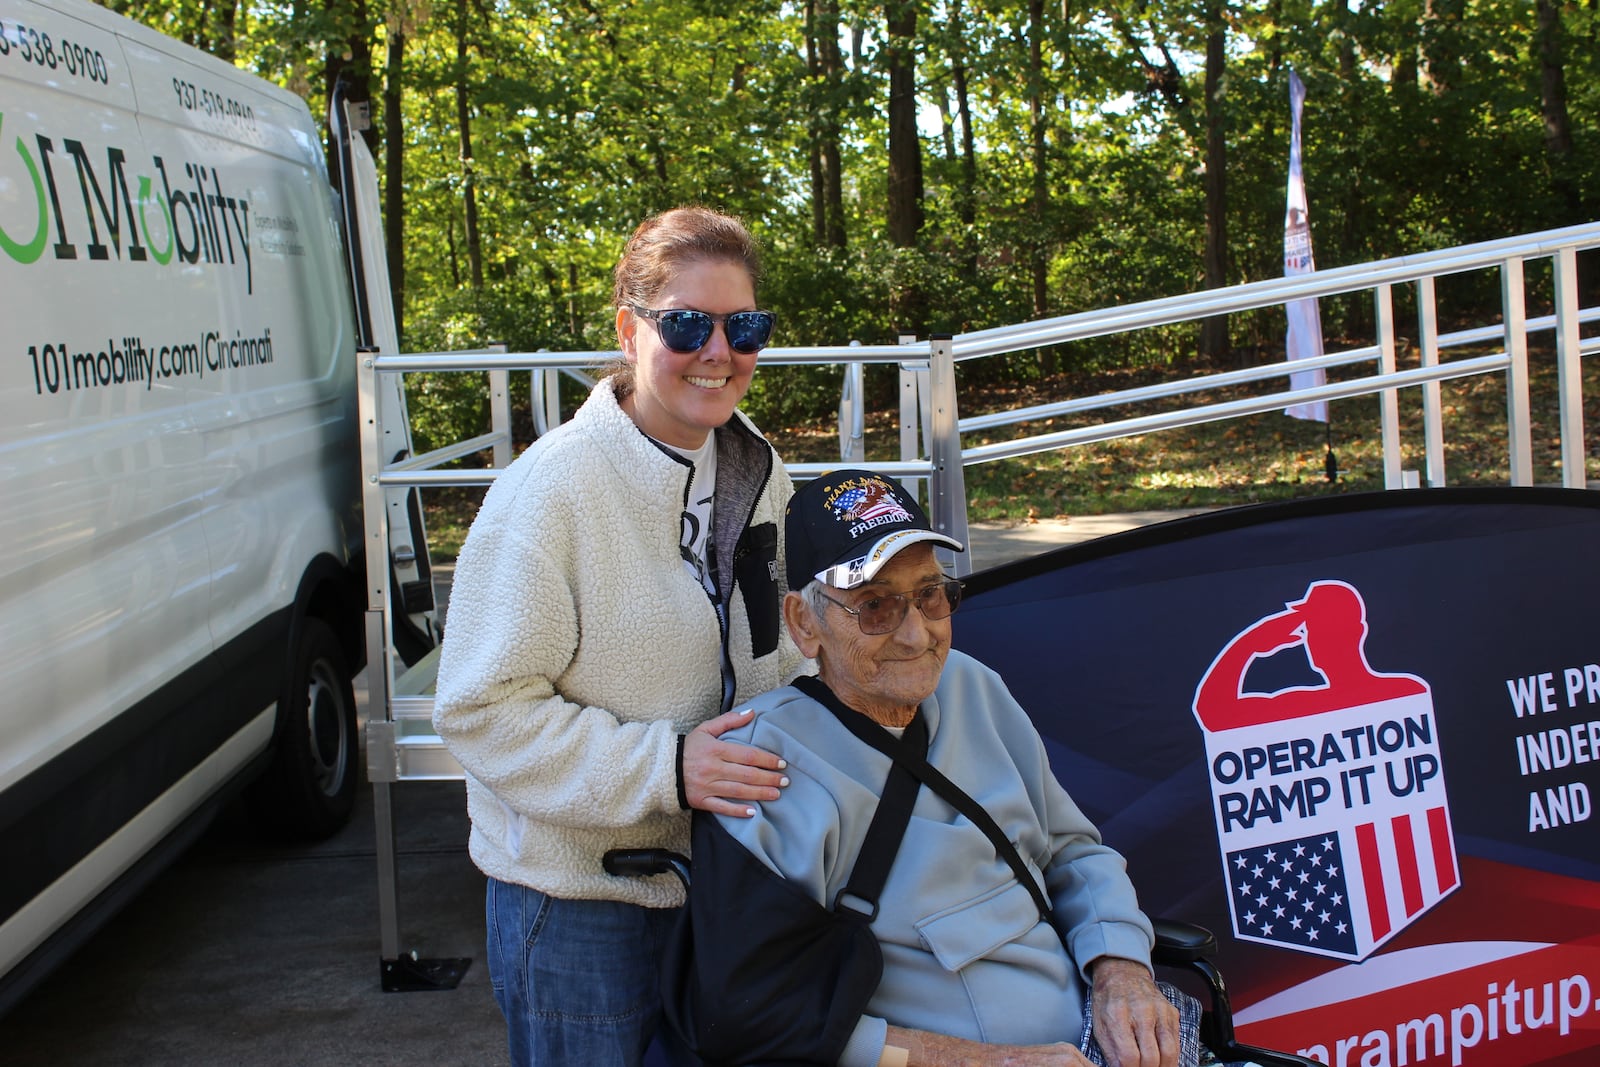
x: 1372, y: 878
x: 1405, y: 854
x: 1443, y: 860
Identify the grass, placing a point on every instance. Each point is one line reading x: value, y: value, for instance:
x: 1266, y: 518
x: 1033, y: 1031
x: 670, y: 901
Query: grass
x: 1242, y: 461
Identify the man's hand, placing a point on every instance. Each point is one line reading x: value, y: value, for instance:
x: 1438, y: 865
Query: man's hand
x: 923, y: 1048
x: 723, y: 777
x: 1133, y: 1022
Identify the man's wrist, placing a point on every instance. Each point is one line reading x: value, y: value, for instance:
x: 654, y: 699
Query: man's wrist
x: 1106, y: 968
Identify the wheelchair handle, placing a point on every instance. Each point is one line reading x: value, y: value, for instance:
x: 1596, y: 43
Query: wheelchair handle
x: 644, y: 862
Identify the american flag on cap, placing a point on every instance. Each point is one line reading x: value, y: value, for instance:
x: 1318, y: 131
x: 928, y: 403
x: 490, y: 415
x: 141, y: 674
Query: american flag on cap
x: 870, y: 501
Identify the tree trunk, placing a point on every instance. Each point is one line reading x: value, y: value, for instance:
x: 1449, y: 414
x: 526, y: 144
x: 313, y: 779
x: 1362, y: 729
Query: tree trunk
x: 1351, y: 192
x: 905, y: 158
x: 966, y: 191
x: 1553, y: 106
x: 819, y: 215
x: 825, y: 70
x: 453, y: 252
x: 394, y: 218
x: 832, y: 64
x: 1038, y: 243
x: 1441, y: 50
x: 1214, y: 331
x: 574, y: 320
x: 947, y: 126
x: 464, y: 126
x: 225, y: 17
x: 967, y: 204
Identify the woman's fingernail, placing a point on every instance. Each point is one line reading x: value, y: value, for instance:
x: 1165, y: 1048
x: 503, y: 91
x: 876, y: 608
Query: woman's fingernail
x: 784, y: 780
x: 749, y: 811
x: 782, y: 764
x: 747, y: 711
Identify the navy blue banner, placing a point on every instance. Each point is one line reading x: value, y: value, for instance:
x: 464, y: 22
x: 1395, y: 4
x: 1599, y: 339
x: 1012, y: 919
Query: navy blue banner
x: 1390, y: 699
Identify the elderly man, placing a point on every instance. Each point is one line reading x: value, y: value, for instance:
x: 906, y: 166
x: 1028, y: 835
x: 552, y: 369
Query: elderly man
x: 977, y: 965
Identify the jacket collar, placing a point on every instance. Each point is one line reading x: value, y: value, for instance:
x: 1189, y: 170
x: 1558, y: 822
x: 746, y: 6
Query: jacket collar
x: 642, y: 464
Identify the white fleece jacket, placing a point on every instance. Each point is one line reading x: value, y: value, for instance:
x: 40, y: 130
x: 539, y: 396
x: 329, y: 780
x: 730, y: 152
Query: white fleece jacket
x: 579, y: 647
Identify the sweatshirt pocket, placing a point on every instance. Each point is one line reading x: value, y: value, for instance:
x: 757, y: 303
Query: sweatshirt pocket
x: 755, y: 570
x: 974, y: 928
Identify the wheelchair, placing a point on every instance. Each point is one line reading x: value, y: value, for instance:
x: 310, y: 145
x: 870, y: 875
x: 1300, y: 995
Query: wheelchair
x: 1181, y: 945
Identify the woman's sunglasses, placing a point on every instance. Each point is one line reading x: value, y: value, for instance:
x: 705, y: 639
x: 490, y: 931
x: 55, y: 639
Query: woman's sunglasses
x: 688, y: 331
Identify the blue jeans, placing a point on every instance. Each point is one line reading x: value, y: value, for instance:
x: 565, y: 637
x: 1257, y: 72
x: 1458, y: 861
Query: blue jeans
x: 577, y: 980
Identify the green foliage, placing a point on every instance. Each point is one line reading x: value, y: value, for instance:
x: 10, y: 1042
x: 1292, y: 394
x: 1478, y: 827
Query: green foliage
x: 1425, y: 127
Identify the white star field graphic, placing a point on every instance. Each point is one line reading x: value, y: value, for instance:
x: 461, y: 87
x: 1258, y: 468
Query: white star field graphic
x: 1293, y: 893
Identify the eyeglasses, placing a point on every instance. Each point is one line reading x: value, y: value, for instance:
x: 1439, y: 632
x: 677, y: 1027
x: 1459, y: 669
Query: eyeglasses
x: 884, y: 613
x: 686, y: 331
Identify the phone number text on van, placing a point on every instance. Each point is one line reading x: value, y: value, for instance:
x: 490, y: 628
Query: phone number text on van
x: 29, y: 45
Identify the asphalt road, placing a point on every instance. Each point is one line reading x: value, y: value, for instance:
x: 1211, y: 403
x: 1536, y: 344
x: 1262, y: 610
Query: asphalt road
x: 248, y: 955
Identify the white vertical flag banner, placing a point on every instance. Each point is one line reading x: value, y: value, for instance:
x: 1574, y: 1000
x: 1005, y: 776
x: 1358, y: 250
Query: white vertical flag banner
x: 1304, y: 338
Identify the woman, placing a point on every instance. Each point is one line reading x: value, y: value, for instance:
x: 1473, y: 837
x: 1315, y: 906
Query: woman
x: 618, y: 592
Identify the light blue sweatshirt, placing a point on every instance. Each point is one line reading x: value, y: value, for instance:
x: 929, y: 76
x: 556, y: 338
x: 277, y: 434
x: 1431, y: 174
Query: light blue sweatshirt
x: 965, y: 952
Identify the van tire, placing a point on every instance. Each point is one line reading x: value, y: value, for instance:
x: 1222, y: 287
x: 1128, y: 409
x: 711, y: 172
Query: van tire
x: 309, y: 788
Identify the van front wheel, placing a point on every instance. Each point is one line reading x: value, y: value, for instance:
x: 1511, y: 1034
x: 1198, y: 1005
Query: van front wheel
x: 309, y: 789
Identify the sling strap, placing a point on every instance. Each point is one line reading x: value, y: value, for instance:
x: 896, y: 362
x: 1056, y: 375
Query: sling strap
x: 916, y: 763
x: 882, y: 841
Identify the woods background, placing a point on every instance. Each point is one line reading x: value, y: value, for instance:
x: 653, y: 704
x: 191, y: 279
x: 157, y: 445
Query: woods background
x: 924, y: 166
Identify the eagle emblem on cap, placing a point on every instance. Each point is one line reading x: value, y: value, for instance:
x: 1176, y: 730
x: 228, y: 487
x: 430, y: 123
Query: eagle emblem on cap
x: 869, y: 500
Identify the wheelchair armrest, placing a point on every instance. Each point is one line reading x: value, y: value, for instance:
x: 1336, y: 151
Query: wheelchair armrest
x: 644, y: 862
x: 1179, y: 942
x: 1191, y: 946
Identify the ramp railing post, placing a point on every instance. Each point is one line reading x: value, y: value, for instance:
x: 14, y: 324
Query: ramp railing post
x: 381, y: 772
x: 913, y: 398
x: 1432, y: 406
x: 397, y: 972
x: 1388, y: 399
x: 1569, y: 372
x: 544, y: 393
x: 852, y: 412
x: 1519, y: 431
x: 380, y: 726
x: 947, y: 493
x: 500, y: 408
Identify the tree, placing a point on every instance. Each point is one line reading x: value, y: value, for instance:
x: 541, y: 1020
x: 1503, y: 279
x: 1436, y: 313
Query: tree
x: 1090, y: 156
x: 1553, y: 106
x: 1214, y: 331
x: 469, y: 192
x: 905, y: 214
x: 825, y: 66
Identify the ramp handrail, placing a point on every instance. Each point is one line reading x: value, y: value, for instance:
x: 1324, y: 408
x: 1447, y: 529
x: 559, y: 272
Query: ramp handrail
x: 940, y: 456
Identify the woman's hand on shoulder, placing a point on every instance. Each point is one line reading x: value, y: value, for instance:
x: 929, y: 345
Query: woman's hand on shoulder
x: 725, y: 777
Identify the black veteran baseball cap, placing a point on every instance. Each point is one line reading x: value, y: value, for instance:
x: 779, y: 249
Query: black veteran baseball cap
x: 843, y: 527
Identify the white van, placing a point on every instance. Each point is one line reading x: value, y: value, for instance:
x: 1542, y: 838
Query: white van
x: 181, y: 589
